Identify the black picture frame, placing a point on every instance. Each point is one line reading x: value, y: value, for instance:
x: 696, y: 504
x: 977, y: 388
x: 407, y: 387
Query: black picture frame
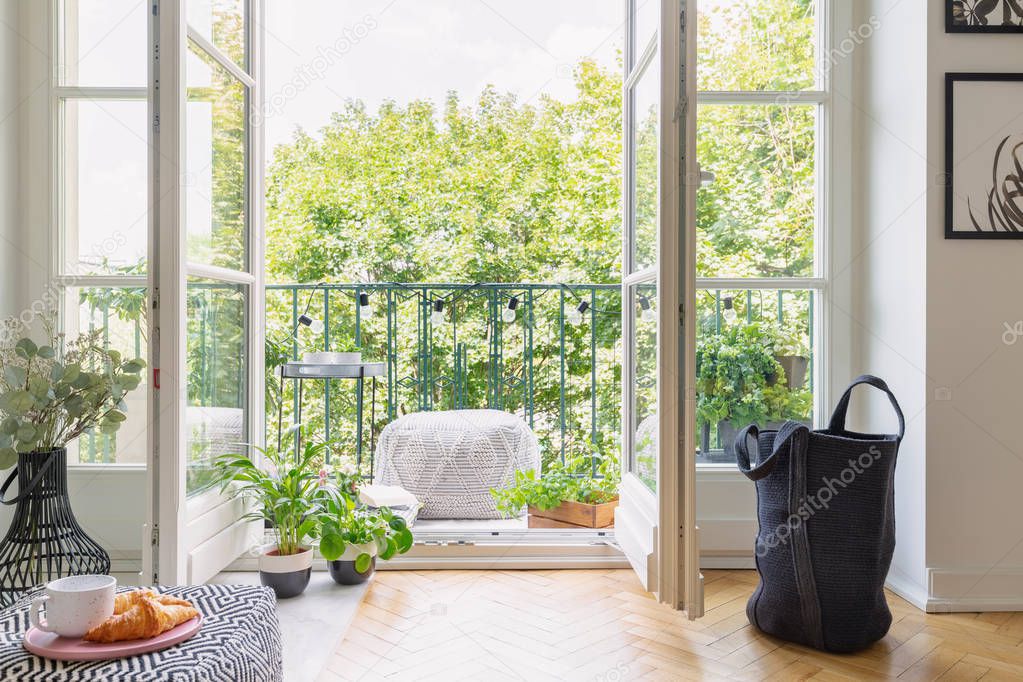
x: 985, y: 219
x: 996, y: 17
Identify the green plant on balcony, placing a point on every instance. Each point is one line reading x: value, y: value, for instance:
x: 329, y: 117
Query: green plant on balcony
x: 573, y: 481
x: 740, y: 381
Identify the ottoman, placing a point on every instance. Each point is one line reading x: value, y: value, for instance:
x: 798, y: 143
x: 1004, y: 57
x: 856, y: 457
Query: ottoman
x: 240, y: 640
x: 450, y: 460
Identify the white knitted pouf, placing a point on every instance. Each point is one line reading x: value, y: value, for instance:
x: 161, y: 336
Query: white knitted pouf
x: 450, y: 460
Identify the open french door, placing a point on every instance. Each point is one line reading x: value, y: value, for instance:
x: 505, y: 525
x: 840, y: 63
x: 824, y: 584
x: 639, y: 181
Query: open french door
x: 655, y: 521
x: 208, y: 263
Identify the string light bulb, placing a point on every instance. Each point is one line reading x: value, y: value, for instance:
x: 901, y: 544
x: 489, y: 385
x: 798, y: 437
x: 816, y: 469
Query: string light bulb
x: 316, y: 326
x: 728, y: 314
x: 648, y: 314
x: 509, y: 314
x: 365, y: 309
x: 437, y: 316
x: 575, y: 315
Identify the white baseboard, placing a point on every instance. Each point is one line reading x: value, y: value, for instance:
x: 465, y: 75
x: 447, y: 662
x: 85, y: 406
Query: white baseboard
x: 974, y: 589
x: 907, y: 589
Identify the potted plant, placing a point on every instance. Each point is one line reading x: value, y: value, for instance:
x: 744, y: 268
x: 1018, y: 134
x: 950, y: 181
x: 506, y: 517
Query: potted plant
x: 285, y: 494
x: 563, y: 497
x: 50, y: 394
x: 352, y: 537
x: 739, y: 381
x: 792, y: 353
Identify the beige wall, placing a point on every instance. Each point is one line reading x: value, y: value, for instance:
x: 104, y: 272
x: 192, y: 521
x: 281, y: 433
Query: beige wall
x: 974, y: 443
x: 930, y: 316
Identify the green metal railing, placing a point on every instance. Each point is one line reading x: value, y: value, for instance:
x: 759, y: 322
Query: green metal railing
x: 563, y: 379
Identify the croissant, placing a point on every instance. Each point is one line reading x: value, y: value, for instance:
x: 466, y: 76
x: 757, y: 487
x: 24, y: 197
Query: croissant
x: 125, y: 600
x: 144, y: 617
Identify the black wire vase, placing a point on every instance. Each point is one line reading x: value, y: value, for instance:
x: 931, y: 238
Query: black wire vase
x: 44, y: 541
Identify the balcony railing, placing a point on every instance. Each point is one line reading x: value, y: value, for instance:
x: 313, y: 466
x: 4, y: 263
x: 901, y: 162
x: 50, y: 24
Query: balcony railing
x: 558, y: 369
x: 560, y: 374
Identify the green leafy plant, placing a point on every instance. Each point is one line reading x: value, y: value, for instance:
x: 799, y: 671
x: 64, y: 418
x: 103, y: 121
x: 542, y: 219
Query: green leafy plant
x: 739, y: 379
x: 285, y: 492
x: 346, y: 346
x: 52, y: 393
x: 560, y: 483
x: 341, y: 524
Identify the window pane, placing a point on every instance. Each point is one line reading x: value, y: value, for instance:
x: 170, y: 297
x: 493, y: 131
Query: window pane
x: 217, y: 412
x: 646, y: 14
x: 756, y: 219
x: 121, y: 315
x: 215, y: 181
x: 104, y: 43
x: 756, y: 45
x: 753, y: 364
x: 104, y: 203
x: 646, y: 105
x: 222, y: 22
x: 644, y: 383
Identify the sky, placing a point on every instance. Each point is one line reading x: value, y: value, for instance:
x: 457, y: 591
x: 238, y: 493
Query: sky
x: 322, y: 52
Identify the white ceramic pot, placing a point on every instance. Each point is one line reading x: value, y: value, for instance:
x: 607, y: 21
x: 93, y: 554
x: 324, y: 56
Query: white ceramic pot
x: 287, y: 574
x: 331, y: 358
x: 352, y: 552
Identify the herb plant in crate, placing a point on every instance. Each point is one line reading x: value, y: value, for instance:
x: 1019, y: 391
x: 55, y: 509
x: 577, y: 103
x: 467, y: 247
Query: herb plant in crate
x: 567, y: 495
x: 285, y: 492
x: 50, y: 394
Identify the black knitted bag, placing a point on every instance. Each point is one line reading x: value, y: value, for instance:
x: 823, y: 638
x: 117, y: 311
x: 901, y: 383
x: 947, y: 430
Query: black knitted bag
x: 826, y: 507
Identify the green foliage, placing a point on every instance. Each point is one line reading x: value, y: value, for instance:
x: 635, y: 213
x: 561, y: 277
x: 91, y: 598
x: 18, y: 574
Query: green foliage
x: 560, y: 483
x: 738, y: 378
x: 51, y: 394
x: 285, y: 490
x: 342, y: 523
x: 498, y: 191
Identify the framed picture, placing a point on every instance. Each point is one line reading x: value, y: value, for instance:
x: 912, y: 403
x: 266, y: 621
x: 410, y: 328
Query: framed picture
x: 984, y: 155
x: 984, y: 16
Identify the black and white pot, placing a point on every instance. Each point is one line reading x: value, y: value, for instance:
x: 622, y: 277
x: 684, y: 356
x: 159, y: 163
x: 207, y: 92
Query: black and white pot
x: 343, y: 569
x: 287, y: 574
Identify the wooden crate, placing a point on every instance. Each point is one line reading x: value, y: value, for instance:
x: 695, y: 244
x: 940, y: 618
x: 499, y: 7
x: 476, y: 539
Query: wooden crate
x: 574, y: 515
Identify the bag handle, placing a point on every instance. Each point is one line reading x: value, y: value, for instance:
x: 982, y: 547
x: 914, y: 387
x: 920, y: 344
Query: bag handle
x: 837, y: 422
x: 31, y: 484
x: 791, y: 433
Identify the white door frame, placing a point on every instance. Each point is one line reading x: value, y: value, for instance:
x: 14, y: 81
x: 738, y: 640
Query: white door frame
x: 195, y: 537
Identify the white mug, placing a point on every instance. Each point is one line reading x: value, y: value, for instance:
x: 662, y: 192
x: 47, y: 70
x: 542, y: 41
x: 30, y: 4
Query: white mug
x: 74, y: 605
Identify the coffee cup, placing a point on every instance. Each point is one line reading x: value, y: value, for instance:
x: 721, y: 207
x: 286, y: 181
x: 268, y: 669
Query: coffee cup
x: 74, y: 605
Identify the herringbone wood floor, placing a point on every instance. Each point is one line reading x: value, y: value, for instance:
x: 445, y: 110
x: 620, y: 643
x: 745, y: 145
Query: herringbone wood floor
x: 601, y: 626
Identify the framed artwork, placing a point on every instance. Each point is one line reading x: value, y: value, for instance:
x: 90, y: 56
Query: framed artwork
x: 984, y: 16
x: 984, y: 155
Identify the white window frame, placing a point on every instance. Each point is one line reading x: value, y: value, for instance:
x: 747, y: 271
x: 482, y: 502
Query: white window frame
x: 833, y: 175
x: 726, y: 501
x: 60, y: 239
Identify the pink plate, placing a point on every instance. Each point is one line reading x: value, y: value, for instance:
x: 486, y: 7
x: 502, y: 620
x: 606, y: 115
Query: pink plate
x: 49, y: 645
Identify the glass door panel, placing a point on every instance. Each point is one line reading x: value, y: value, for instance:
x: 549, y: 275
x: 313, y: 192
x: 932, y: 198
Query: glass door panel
x: 654, y: 522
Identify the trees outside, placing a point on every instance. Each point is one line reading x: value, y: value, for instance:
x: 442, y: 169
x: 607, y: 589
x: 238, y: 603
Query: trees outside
x: 484, y: 188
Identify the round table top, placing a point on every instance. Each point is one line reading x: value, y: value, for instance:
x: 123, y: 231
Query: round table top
x: 307, y: 370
